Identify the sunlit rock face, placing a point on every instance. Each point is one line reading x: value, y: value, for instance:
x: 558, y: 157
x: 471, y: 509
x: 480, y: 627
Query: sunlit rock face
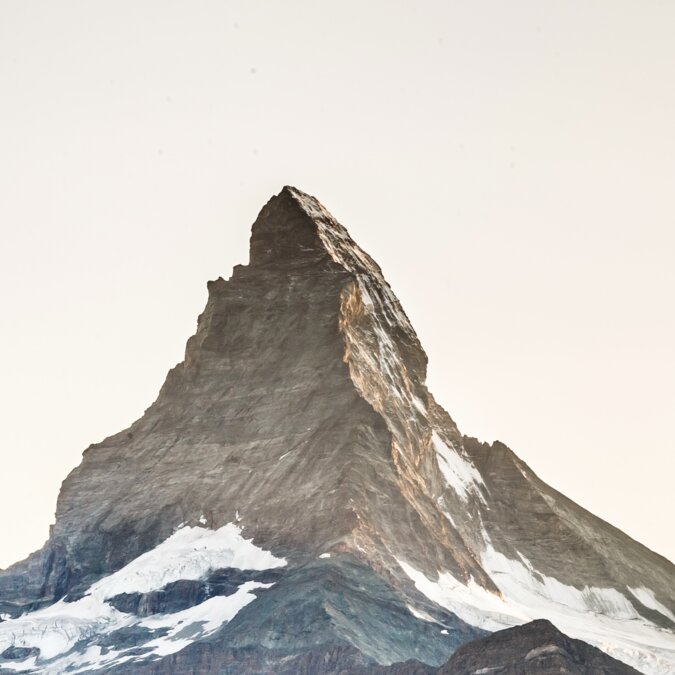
x: 296, y: 499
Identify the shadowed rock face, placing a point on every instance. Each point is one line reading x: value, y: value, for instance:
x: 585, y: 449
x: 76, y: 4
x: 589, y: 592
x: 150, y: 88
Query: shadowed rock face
x: 537, y: 648
x: 301, y: 413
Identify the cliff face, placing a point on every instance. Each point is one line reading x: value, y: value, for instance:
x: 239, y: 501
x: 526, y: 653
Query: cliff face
x: 300, y: 420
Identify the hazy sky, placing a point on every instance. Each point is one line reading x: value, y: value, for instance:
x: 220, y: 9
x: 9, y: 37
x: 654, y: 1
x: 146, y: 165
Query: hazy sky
x: 510, y: 165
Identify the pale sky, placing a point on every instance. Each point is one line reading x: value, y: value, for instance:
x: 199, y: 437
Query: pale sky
x: 510, y: 165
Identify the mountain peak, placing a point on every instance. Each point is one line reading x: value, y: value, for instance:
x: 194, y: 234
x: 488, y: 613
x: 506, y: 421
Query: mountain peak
x: 308, y: 203
x: 286, y: 231
x: 297, y: 453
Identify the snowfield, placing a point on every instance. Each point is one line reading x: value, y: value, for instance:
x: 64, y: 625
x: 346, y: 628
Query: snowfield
x: 603, y: 617
x: 459, y: 472
x: 191, y: 553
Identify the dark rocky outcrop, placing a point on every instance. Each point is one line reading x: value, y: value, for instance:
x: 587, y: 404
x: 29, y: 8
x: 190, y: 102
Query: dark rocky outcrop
x: 536, y: 648
x: 185, y: 593
x: 19, y: 653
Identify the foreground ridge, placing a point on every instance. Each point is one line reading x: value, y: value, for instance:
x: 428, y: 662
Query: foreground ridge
x: 295, y: 500
x: 536, y: 648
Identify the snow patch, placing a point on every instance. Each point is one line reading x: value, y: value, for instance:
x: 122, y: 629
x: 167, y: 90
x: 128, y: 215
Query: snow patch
x: 209, y: 616
x: 543, y: 651
x: 20, y: 666
x: 419, y: 405
x: 647, y: 598
x: 423, y: 616
x: 365, y: 297
x: 325, y: 555
x: 458, y: 471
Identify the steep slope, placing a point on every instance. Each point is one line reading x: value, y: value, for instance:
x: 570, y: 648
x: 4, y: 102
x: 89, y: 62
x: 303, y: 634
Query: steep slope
x: 299, y: 424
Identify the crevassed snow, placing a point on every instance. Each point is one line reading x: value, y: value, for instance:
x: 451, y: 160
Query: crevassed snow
x: 603, y: 617
x: 646, y: 597
x: 458, y: 471
x: 190, y: 553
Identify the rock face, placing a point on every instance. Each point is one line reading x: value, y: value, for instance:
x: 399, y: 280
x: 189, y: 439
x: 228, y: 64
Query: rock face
x: 537, y: 648
x: 296, y: 501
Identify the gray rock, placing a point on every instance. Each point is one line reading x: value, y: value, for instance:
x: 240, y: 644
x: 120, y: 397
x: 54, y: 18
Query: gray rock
x: 19, y: 653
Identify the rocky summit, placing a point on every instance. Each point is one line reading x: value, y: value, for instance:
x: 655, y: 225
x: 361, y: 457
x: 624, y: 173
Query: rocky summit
x: 295, y: 501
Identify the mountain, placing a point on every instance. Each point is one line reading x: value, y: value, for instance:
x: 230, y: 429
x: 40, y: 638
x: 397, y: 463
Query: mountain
x: 295, y: 501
